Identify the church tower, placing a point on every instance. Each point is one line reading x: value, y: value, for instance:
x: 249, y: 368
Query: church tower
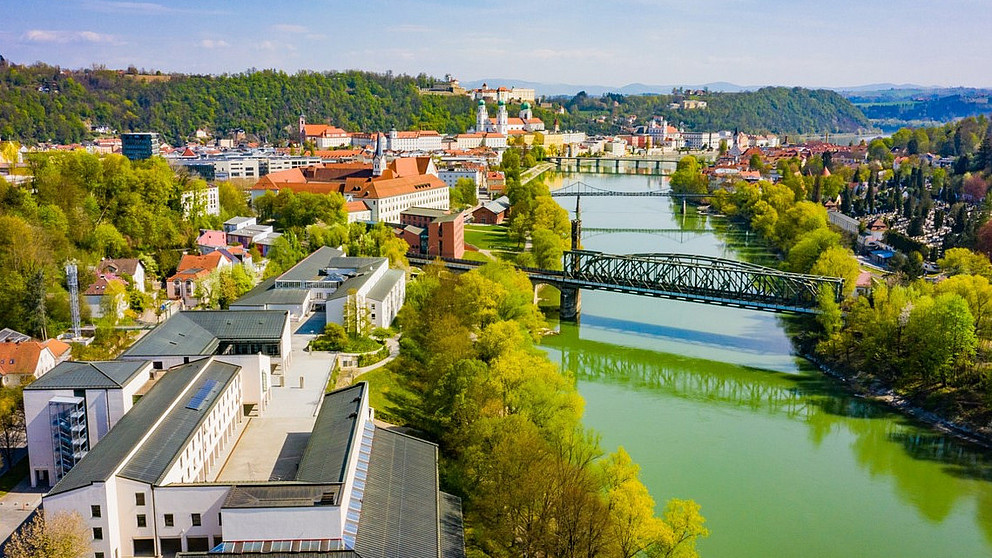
x: 481, y: 117
x: 303, y: 128
x: 526, y: 114
x: 379, y: 161
x: 502, y: 120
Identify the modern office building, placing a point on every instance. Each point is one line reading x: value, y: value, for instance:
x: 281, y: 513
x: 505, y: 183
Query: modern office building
x: 139, y: 145
x: 151, y: 488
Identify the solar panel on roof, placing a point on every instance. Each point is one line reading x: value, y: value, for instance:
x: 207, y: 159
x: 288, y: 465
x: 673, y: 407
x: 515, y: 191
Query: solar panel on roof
x: 205, y: 392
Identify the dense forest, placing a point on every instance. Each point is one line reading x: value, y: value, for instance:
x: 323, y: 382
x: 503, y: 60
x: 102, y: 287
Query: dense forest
x: 46, y: 103
x: 891, y: 109
x: 41, y: 103
x: 779, y: 110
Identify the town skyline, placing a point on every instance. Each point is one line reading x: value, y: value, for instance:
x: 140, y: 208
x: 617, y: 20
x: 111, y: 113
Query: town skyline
x: 841, y: 44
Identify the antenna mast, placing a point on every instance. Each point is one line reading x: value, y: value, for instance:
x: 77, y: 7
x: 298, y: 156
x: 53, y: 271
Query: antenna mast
x: 73, y: 282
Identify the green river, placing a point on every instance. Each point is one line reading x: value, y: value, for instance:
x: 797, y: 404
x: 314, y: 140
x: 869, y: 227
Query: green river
x: 715, y: 407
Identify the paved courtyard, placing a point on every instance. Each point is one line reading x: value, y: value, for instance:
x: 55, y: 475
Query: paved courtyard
x: 271, y: 445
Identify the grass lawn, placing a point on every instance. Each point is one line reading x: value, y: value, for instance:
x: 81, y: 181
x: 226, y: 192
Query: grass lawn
x: 490, y: 237
x: 475, y: 256
x: 14, y: 476
x: 382, y: 381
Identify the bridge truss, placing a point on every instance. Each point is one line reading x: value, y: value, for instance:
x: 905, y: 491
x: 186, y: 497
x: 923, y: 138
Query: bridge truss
x: 582, y: 189
x: 698, y: 279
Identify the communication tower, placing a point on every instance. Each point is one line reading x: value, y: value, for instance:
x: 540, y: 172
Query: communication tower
x: 73, y: 283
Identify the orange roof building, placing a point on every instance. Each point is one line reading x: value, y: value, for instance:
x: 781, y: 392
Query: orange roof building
x: 403, y: 183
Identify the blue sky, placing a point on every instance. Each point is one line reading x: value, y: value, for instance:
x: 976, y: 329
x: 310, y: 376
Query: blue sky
x: 607, y: 42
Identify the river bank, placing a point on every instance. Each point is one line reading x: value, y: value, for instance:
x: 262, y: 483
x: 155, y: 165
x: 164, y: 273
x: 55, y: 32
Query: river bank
x: 730, y: 414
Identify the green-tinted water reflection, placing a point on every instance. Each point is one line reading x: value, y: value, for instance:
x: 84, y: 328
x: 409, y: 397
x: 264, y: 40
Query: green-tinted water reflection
x: 713, y: 405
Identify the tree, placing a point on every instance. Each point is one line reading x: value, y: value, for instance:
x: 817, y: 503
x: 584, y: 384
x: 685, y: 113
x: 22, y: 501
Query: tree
x: 836, y: 261
x: 688, y: 178
x: 12, y: 428
x: 632, y: 525
x: 464, y: 194
x: 961, y: 261
x: 356, y: 316
x: 547, y: 248
x: 59, y: 535
x: 940, y: 336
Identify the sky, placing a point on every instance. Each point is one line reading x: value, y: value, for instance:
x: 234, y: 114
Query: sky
x: 820, y: 43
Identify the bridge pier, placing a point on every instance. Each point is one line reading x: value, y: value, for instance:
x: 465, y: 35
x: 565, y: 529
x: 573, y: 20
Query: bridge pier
x: 571, y: 304
x: 618, y: 166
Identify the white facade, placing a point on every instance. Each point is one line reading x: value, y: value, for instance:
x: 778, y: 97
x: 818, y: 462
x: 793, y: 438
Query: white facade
x: 451, y: 175
x: 208, y: 199
x: 104, y: 407
x: 388, y: 209
x: 426, y: 140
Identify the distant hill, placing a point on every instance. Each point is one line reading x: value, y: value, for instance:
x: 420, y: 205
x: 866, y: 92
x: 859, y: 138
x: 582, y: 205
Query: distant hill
x: 780, y: 110
x: 45, y: 103
x: 567, y: 89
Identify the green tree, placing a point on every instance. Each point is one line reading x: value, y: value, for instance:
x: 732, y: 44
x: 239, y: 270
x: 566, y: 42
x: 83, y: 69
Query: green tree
x: 688, y: 177
x: 58, y: 535
x: 941, y: 337
x: 13, y: 433
x: 547, y: 248
x: 464, y: 194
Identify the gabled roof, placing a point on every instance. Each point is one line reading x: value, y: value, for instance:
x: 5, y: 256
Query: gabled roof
x: 120, y: 265
x: 98, y: 287
x: 335, y: 432
x: 153, y: 457
x: 57, y: 347
x: 8, y: 335
x: 20, y: 358
x: 213, y: 239
x: 200, y: 332
x: 110, y: 374
x: 400, y: 505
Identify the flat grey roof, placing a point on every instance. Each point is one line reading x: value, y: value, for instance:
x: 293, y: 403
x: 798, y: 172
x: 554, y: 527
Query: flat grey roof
x: 309, y: 267
x: 335, y: 431
x: 351, y: 283
x: 108, y: 455
x: 275, y: 495
x: 199, y: 332
x: 424, y: 212
x: 238, y: 220
x: 400, y: 506
x: 380, y: 290
x: 266, y: 293
x: 89, y: 375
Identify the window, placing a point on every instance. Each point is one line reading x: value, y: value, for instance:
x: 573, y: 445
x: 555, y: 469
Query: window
x: 94, y: 511
x: 170, y: 521
x: 195, y: 518
x: 98, y: 555
x: 139, y: 498
x: 142, y: 521
x: 220, y: 519
x: 98, y: 533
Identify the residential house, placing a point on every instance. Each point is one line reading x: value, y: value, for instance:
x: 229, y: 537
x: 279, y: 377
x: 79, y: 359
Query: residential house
x: 125, y: 268
x: 95, y: 295
x: 208, y: 241
x: 190, y: 273
x: 24, y: 360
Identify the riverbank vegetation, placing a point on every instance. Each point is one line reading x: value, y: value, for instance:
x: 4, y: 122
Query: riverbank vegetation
x: 535, y: 216
x: 534, y: 482
x: 929, y: 341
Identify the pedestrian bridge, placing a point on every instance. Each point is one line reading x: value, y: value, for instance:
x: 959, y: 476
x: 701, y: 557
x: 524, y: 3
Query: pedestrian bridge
x: 692, y: 278
x: 580, y: 189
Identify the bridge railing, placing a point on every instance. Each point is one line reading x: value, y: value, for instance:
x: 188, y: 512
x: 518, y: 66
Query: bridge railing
x: 700, y: 277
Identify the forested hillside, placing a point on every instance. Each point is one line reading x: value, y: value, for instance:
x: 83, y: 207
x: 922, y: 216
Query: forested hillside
x: 771, y: 109
x: 45, y: 103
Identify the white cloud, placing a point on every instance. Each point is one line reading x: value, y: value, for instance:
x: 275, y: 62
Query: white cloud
x: 289, y: 28
x: 62, y: 36
x: 214, y: 43
x: 276, y: 45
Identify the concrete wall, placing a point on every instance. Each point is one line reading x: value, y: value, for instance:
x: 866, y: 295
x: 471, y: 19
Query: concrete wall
x: 253, y: 524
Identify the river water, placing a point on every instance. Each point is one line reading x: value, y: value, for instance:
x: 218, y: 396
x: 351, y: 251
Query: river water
x: 714, y: 406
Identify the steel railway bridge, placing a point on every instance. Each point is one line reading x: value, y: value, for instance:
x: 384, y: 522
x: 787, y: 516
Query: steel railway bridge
x: 701, y: 279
